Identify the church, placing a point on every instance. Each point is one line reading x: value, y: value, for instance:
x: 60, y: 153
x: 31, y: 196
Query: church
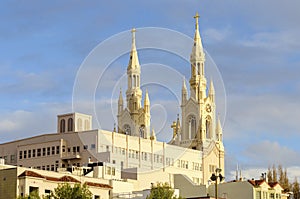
x: 131, y: 153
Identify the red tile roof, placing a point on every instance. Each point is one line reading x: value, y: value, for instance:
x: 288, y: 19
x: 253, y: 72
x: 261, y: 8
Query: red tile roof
x: 65, y: 178
x: 93, y: 184
x: 256, y: 182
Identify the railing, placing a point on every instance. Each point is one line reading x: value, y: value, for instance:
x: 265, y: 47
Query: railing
x: 70, y: 155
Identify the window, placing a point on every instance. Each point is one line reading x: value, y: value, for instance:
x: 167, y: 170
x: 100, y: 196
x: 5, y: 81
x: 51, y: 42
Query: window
x: 86, y: 125
x: 52, y: 167
x: 192, y: 127
x: 97, y: 197
x: 113, y: 171
x: 258, y: 195
x: 62, y: 126
x: 93, y: 146
x: 20, y: 155
x: 78, y: 149
x: 25, y: 154
x: 48, y: 150
x: 85, y: 147
x: 44, y: 151
x: 127, y: 129
x: 142, y: 131
x: 53, y: 150
x: 33, y: 153
x: 12, y: 158
x: 207, y: 123
x: 69, y: 149
x: 48, y: 167
x: 137, y: 155
x: 108, y: 170
x: 74, y: 149
x: 79, y: 124
x: 43, y: 167
x: 29, y: 153
x: 70, y: 124
x: 38, y: 152
x: 57, y: 149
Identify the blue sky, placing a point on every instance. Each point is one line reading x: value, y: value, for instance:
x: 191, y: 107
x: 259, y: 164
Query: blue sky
x: 255, y: 45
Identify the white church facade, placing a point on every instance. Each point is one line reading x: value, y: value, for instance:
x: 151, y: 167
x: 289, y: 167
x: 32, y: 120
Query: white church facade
x: 194, y: 153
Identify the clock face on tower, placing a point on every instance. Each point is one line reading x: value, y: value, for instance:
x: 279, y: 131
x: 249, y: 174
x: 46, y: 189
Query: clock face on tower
x: 208, y: 108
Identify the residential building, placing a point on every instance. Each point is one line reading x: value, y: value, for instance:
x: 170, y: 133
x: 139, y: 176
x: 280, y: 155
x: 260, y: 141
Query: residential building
x: 250, y: 189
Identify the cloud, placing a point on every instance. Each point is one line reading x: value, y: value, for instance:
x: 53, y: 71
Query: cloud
x: 41, y: 119
x: 268, y: 153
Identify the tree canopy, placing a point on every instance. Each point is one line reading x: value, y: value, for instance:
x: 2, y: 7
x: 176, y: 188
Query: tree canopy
x: 66, y: 191
x: 162, y: 191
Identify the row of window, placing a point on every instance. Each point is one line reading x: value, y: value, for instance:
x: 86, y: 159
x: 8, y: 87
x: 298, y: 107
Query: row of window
x: 110, y: 170
x: 185, y: 165
x: 32, y: 153
x: 264, y: 195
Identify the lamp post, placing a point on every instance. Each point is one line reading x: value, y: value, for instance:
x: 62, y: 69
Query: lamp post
x: 214, y: 177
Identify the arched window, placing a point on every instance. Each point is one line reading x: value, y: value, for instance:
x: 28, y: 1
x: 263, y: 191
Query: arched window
x: 192, y: 127
x: 134, y: 81
x: 86, y: 125
x: 127, y: 129
x: 142, y: 131
x: 70, y: 124
x: 208, y: 128
x: 198, y: 68
x: 62, y: 126
x: 79, y: 124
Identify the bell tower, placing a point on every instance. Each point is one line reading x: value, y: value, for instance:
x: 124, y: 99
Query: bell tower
x: 134, y: 119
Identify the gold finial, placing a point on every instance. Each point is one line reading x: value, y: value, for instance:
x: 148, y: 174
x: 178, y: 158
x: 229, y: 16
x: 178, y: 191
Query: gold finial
x: 197, y: 16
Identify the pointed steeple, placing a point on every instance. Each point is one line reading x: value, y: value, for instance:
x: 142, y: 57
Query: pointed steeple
x: 219, y: 130
x: 197, y: 59
x: 134, y: 60
x: 147, y: 102
x: 197, y: 51
x: 120, y: 97
x: 183, y: 92
x: 120, y: 102
x: 211, y: 92
x: 153, y: 135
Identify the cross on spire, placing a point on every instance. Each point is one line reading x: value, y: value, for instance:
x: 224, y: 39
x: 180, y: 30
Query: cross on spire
x: 197, y: 16
x: 133, y: 30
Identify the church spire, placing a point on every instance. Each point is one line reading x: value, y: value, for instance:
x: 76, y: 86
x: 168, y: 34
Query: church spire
x: 219, y: 130
x: 197, y: 59
x: 197, y: 52
x: 120, y: 103
x: 183, y: 92
x: 147, y: 102
x: 134, y: 60
x: 211, y: 92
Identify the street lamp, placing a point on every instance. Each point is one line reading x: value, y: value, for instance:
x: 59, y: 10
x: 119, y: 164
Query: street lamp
x: 214, y: 177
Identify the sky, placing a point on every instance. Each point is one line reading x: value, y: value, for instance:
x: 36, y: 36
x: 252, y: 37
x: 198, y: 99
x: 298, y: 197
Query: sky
x: 45, y: 46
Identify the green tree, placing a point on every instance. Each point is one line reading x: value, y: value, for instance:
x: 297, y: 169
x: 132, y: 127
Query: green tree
x: 274, y: 171
x: 66, y: 191
x: 32, y: 195
x: 162, y: 191
x: 270, y: 175
x: 296, y: 189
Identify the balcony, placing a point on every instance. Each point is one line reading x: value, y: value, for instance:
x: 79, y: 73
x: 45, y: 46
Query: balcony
x: 70, y: 155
